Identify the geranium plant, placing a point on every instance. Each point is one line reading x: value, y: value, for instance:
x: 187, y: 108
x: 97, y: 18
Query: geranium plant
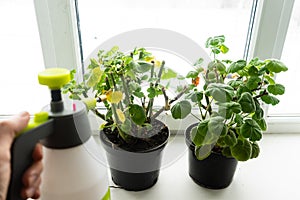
x: 230, y: 102
x: 127, y: 86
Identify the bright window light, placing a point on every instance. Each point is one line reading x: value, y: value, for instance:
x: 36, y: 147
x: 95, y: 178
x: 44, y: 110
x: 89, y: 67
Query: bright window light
x: 289, y: 104
x: 21, y: 59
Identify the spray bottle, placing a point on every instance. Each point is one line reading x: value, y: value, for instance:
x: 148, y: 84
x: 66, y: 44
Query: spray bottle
x: 70, y: 171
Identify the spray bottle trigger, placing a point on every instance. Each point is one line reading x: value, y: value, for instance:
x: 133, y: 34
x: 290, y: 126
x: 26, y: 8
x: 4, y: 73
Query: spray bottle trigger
x: 39, y: 118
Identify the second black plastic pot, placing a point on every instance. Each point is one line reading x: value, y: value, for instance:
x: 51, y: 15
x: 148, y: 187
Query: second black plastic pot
x: 214, y: 172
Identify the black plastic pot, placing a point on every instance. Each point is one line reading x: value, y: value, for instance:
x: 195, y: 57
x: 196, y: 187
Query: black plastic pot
x: 134, y: 171
x: 214, y: 172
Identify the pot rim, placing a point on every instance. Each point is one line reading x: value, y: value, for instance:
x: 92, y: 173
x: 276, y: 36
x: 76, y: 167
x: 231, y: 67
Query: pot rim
x: 108, y: 144
x: 190, y: 143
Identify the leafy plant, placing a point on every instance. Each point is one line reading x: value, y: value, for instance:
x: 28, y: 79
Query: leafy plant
x: 127, y: 85
x: 231, y: 114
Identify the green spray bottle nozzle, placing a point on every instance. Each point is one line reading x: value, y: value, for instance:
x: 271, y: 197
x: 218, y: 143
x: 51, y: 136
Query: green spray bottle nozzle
x: 55, y: 78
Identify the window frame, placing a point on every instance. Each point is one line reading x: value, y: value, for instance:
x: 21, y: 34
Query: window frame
x: 264, y: 42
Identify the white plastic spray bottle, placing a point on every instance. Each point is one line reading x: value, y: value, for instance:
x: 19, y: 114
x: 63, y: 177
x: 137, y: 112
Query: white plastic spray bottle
x: 70, y: 170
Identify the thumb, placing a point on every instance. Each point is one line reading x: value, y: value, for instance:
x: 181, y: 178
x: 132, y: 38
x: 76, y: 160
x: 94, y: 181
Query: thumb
x: 10, y: 127
x: 19, y: 122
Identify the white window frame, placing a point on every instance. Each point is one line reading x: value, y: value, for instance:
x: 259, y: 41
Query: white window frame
x: 60, y: 42
x: 268, y: 38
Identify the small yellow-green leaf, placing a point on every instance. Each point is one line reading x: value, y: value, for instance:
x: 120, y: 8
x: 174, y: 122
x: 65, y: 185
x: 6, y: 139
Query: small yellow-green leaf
x: 114, y: 97
x: 90, y: 103
x: 94, y: 77
x: 121, y: 115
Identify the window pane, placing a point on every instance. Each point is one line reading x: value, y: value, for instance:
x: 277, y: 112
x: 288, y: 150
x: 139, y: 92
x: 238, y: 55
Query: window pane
x: 289, y: 104
x: 21, y: 58
x: 197, y: 20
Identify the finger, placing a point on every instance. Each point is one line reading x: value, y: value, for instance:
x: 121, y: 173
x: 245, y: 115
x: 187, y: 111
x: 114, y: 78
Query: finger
x: 32, y: 191
x: 14, y: 125
x: 37, y: 194
x: 38, y: 152
x: 32, y: 174
x: 9, y: 128
x: 19, y: 121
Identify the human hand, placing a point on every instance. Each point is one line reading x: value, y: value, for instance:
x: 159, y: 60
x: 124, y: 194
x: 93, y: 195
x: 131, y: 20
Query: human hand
x: 31, y: 178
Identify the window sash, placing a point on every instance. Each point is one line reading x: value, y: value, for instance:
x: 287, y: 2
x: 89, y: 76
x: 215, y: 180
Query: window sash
x: 58, y: 25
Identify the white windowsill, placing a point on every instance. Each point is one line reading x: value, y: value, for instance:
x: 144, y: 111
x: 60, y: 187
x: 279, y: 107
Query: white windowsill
x: 273, y: 175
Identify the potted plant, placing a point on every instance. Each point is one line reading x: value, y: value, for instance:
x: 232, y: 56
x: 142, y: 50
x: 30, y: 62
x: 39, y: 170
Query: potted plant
x: 128, y: 85
x: 231, y: 114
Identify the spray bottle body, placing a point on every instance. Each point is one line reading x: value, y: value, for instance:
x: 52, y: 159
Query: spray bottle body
x: 71, y: 171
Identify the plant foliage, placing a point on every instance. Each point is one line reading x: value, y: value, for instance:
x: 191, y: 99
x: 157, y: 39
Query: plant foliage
x: 231, y: 116
x: 127, y: 85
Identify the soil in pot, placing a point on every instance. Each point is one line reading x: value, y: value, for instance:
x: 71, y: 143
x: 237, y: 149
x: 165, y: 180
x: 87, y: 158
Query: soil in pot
x: 135, y: 166
x: 214, y: 172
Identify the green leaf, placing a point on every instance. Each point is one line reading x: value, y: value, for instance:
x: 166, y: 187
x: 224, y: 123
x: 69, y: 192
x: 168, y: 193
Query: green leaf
x: 216, y: 125
x: 198, y: 134
x: 151, y: 92
x: 262, y: 124
x: 255, y: 150
x: 242, y: 89
x: 235, y: 83
x: 253, y: 82
x: 237, y: 66
x: 247, y: 103
x: 196, y: 97
x: 276, y: 66
x: 192, y: 74
x: 259, y: 113
x: 238, y: 119
x: 268, y: 99
x: 276, y: 89
x: 202, y: 152
x: 227, y: 152
x: 230, y: 139
x: 168, y: 74
x: 139, y: 94
x: 220, y: 92
x: 181, y: 109
x: 142, y: 66
x: 250, y: 129
x: 144, y: 77
x: 137, y: 114
x: 271, y: 80
x: 126, y: 126
x: 228, y: 108
x: 93, y: 64
x: 199, y: 62
x: 253, y: 71
x: 242, y: 151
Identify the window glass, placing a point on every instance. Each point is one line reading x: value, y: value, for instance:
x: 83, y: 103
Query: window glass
x: 197, y: 20
x: 289, y: 104
x: 21, y: 59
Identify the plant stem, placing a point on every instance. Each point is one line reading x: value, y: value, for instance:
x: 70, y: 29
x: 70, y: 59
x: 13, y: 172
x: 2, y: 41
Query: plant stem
x: 200, y: 109
x: 166, y: 98
x: 208, y: 108
x: 170, y: 102
x: 160, y: 72
x: 262, y: 94
x: 196, y: 117
x: 126, y: 91
x: 151, y: 101
x: 96, y: 112
x: 118, y: 122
